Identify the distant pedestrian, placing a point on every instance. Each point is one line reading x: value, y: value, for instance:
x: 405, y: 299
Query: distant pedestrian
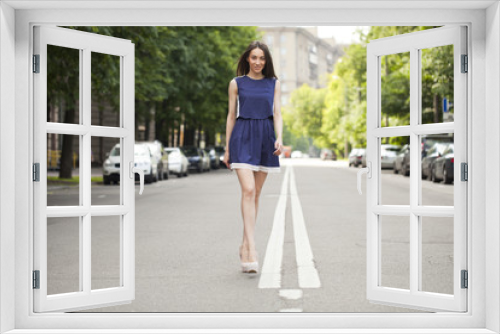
x: 252, y: 148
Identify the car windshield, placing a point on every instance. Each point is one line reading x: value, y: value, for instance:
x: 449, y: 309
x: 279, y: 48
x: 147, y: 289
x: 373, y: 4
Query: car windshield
x: 115, y: 152
x: 141, y: 151
x: 391, y: 148
x: 191, y: 151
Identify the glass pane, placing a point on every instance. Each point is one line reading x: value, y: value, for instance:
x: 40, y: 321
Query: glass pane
x: 106, y: 163
x: 105, y: 81
x: 63, y: 180
x: 395, y: 159
x: 437, y: 84
x: 437, y: 169
x: 105, y: 252
x: 395, y: 89
x: 63, y: 85
x: 63, y: 255
x: 395, y: 252
x: 437, y: 254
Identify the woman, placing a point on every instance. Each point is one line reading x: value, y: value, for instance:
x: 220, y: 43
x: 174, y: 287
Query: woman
x: 252, y: 148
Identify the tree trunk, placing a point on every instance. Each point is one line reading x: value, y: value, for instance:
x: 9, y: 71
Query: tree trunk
x: 66, y: 162
x: 436, y: 109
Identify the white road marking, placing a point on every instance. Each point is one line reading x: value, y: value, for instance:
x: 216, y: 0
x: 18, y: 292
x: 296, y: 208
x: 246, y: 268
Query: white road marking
x: 308, y: 275
x: 292, y: 294
x: 270, y: 276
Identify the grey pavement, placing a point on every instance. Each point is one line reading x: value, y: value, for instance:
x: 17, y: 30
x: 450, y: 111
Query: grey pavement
x: 188, y: 231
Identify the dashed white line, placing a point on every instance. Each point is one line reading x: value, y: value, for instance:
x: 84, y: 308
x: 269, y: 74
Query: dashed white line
x: 307, y: 272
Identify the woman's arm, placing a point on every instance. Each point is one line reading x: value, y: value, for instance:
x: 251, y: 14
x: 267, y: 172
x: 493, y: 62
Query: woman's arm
x: 278, y: 121
x: 231, y: 115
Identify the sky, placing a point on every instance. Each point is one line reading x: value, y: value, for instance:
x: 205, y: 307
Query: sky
x: 342, y: 34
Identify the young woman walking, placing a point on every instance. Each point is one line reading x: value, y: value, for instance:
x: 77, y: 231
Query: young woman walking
x: 253, y: 137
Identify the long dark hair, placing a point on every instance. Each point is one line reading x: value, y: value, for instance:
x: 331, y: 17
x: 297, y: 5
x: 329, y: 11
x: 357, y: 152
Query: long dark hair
x: 244, y: 66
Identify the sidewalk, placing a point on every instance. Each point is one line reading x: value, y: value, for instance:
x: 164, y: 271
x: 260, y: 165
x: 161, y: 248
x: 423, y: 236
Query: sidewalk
x: 95, y: 171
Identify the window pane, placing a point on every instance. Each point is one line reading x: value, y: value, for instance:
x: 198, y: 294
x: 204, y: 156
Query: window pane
x: 395, y: 89
x: 106, y: 163
x: 395, y: 252
x: 395, y: 159
x: 437, y: 254
x: 63, y: 85
x: 63, y: 255
x: 63, y: 159
x: 437, y: 169
x: 437, y: 84
x: 105, y: 79
x: 105, y: 252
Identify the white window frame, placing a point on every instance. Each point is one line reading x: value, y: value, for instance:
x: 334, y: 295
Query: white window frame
x: 483, y: 211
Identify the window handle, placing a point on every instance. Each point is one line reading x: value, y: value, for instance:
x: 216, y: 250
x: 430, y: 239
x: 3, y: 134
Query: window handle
x: 368, y: 171
x: 139, y: 171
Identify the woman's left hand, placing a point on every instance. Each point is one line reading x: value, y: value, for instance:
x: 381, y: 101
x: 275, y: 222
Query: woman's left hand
x: 278, y: 145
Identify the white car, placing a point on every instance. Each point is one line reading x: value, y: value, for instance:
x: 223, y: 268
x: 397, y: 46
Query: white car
x: 143, y: 159
x: 296, y: 154
x: 177, y: 161
x: 160, y: 159
x: 111, y: 166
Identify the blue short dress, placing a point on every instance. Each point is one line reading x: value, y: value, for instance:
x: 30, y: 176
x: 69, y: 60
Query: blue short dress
x: 251, y: 144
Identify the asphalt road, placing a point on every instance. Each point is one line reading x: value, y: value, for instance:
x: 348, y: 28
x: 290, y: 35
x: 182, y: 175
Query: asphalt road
x: 188, y: 231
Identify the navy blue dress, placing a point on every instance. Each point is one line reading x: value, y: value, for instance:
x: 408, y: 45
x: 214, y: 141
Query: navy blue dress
x: 251, y: 144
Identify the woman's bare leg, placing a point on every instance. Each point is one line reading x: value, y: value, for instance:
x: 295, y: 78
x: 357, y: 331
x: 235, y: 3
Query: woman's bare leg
x: 260, y: 177
x: 248, y: 190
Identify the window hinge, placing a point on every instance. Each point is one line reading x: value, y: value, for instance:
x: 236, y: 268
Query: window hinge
x: 464, y: 171
x: 36, y: 63
x: 465, y: 64
x: 36, y: 172
x: 465, y: 279
x: 36, y: 279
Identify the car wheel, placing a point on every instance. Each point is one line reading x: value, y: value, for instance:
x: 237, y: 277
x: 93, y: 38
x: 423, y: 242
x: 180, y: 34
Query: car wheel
x: 105, y: 179
x: 394, y: 169
x: 423, y: 175
x: 148, y: 178
x: 433, y: 176
x: 446, y: 178
x: 179, y: 174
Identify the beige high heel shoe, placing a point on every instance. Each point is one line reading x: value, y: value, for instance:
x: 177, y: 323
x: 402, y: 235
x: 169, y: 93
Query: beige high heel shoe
x: 250, y: 267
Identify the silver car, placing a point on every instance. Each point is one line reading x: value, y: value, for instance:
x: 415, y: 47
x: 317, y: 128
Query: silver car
x: 388, y: 154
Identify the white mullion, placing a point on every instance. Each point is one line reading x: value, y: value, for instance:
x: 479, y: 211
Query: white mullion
x: 68, y: 129
x: 85, y: 160
x: 108, y: 210
x: 108, y: 131
x: 433, y: 211
x: 414, y: 161
x: 392, y: 131
x: 392, y: 210
x: 434, y: 128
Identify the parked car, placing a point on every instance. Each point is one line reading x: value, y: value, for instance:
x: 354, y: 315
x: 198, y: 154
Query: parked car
x: 327, y: 154
x: 206, y: 159
x: 388, y: 155
x: 355, y: 156
x: 214, y: 158
x: 144, y: 159
x: 111, y: 166
x: 442, y: 168
x: 195, y: 158
x: 432, y: 154
x: 160, y: 158
x: 400, y: 160
x: 220, y: 150
x: 177, y: 161
x: 296, y: 154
